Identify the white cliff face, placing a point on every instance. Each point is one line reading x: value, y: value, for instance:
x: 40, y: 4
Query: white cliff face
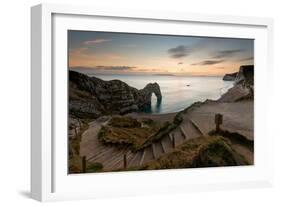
x: 245, y: 75
x: 243, y: 87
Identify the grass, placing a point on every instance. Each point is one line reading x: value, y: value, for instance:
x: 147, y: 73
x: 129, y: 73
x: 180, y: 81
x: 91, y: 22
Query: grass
x: 128, y: 131
x: 75, y: 164
x: 75, y: 161
x: 210, y: 151
x: 94, y: 167
x: 235, y: 137
x: 124, y: 122
x: 122, y: 130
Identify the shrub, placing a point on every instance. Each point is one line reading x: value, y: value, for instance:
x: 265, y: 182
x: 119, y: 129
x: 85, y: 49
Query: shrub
x: 94, y: 167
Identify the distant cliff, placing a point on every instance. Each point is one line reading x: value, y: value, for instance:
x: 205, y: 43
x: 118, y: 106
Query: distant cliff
x: 244, y: 85
x: 92, y: 97
x: 230, y: 77
x: 244, y: 75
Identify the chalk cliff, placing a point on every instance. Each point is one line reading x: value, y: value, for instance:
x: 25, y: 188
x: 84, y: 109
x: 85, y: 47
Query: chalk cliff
x: 230, y: 77
x: 243, y: 87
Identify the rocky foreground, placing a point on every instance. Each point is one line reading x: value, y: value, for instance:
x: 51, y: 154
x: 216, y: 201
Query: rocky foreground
x: 180, y: 140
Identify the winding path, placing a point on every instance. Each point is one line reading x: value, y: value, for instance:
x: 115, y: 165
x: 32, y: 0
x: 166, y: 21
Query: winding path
x: 197, y: 121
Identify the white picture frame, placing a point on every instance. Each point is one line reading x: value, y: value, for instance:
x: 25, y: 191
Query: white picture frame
x: 49, y: 179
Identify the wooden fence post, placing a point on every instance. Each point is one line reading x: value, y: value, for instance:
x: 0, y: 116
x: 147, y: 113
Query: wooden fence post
x: 125, y: 161
x: 84, y: 164
x: 174, y: 141
x: 218, y: 121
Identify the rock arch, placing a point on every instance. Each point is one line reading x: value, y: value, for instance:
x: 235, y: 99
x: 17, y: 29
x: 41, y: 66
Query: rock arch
x: 145, y: 95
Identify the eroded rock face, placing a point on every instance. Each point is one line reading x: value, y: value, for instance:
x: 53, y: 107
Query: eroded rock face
x: 245, y: 75
x: 93, y: 97
x: 230, y: 77
x: 144, y: 98
x: 243, y: 88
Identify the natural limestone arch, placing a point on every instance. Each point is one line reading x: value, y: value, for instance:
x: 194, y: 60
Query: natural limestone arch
x: 146, y: 94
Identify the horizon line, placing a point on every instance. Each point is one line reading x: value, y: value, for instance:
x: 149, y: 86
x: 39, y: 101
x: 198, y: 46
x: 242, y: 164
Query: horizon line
x: 145, y: 73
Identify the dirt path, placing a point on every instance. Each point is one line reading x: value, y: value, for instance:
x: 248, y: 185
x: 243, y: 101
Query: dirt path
x: 237, y: 117
x: 96, y: 151
x: 198, y: 121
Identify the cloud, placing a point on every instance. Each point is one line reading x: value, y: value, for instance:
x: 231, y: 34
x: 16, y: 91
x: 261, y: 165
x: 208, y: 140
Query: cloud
x: 180, y: 63
x: 96, y: 41
x: 78, y: 51
x: 247, y: 59
x: 226, y: 53
x: 103, y: 68
x: 179, y: 51
x: 207, y: 62
x: 120, y: 68
x: 131, y: 45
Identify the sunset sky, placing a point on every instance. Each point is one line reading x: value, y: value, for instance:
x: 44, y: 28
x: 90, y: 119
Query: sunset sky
x: 118, y: 53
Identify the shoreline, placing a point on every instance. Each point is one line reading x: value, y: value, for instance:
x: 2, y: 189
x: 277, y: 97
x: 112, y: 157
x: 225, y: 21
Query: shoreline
x: 175, y: 112
x: 235, y: 106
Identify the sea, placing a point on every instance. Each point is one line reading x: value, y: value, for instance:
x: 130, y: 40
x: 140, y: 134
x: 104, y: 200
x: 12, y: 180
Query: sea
x: 178, y: 92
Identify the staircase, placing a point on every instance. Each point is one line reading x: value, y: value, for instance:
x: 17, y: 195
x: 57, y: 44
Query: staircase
x: 112, y: 158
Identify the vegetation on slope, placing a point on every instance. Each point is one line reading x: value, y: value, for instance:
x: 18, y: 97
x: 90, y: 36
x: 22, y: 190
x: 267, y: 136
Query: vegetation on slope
x: 75, y: 161
x: 210, y: 151
x: 124, y: 130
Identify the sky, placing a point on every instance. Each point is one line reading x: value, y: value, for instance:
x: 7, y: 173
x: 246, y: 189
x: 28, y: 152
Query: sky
x: 128, y: 53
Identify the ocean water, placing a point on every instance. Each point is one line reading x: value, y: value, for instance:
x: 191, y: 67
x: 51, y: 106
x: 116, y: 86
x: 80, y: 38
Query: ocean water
x: 176, y: 95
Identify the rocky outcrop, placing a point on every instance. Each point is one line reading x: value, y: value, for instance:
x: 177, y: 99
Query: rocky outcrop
x: 244, y: 86
x: 245, y: 75
x: 144, y: 98
x: 93, y: 97
x: 237, y: 93
x: 230, y: 77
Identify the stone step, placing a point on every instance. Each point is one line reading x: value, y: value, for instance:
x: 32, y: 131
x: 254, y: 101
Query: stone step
x: 179, y: 138
x: 189, y: 130
x: 148, y: 155
x: 100, y: 153
x: 184, y: 133
x: 197, y: 127
x: 158, y: 149
x: 135, y: 160
x: 107, y: 156
x: 119, y: 163
x: 142, y: 157
x: 96, y: 150
x: 171, y: 136
x: 117, y: 157
x: 167, y: 144
x: 153, y: 150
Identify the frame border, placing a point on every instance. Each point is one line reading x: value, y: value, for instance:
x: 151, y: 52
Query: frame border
x: 42, y: 88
